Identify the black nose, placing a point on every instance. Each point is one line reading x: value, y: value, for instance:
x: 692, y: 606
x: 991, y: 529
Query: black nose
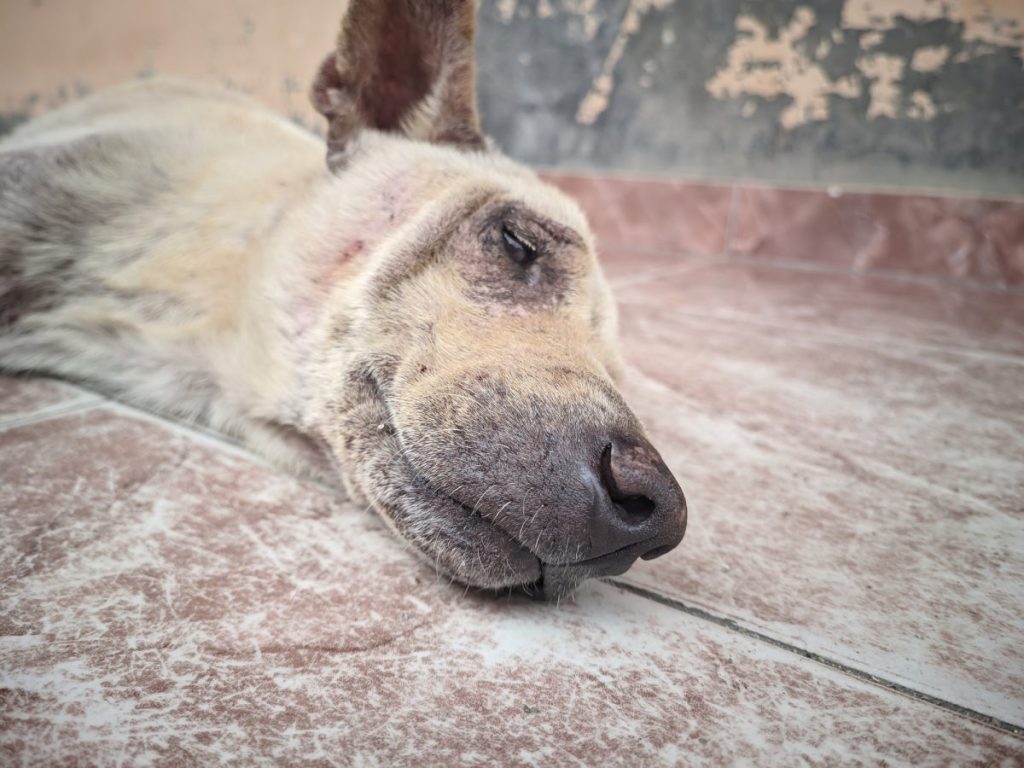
x: 640, y: 510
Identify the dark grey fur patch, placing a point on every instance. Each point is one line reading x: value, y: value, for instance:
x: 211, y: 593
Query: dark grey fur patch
x: 545, y: 282
x: 11, y: 120
x: 32, y: 270
x: 53, y: 201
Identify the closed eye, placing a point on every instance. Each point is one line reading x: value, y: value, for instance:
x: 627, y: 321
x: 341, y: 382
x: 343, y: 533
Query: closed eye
x: 517, y: 248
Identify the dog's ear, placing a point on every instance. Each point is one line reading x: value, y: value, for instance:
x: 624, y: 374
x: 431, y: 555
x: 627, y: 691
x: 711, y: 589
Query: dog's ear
x: 405, y: 66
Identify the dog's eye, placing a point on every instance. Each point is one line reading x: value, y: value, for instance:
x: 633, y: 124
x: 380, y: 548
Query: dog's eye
x: 518, y: 249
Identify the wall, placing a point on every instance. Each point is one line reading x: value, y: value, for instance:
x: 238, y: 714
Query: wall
x: 926, y: 94
x: 917, y: 93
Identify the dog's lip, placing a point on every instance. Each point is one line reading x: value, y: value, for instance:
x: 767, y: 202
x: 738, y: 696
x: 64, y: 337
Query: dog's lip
x: 588, y: 563
x: 612, y: 563
x: 556, y: 580
x: 526, y: 558
x: 604, y: 560
x: 559, y: 580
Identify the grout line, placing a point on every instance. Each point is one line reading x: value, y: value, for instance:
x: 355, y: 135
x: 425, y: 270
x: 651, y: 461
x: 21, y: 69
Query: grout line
x: 730, y: 221
x: 90, y: 401
x: 197, y: 432
x: 57, y: 410
x: 735, y: 626
x: 192, y: 430
x: 215, y: 439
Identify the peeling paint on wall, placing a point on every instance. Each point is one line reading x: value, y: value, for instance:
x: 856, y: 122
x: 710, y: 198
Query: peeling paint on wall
x: 507, y: 10
x: 771, y: 65
x: 766, y: 67
x: 586, y: 11
x: 921, y: 106
x: 884, y: 71
x: 929, y: 59
x: 882, y: 14
x: 596, y: 100
x: 992, y: 22
x: 868, y: 39
x: 810, y: 91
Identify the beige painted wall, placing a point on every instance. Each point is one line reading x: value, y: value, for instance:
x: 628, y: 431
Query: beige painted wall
x: 53, y: 49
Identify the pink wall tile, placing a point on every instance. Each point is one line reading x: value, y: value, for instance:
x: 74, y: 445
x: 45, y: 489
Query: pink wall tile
x: 648, y: 214
x: 977, y: 240
x: 801, y: 301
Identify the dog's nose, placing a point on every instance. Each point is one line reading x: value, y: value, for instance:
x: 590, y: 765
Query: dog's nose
x: 640, y: 510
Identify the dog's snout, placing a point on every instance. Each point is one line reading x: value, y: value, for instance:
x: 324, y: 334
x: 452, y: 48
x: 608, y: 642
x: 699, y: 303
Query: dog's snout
x: 639, y: 509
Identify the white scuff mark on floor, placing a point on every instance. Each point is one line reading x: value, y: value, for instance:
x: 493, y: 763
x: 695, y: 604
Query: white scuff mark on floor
x: 596, y: 101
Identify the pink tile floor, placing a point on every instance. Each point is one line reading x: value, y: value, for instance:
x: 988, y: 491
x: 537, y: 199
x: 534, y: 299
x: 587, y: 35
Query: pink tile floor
x: 850, y: 590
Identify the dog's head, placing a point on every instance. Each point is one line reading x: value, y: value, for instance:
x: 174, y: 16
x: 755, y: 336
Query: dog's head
x: 467, y: 383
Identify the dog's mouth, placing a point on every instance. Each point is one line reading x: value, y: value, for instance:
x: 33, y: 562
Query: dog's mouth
x: 548, y: 580
x: 478, y: 546
x: 462, y: 544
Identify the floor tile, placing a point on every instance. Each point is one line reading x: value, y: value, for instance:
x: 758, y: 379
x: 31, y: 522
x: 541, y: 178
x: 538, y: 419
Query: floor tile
x: 622, y: 265
x: 22, y: 397
x: 858, y: 499
x: 794, y: 301
x: 980, y: 240
x: 164, y: 601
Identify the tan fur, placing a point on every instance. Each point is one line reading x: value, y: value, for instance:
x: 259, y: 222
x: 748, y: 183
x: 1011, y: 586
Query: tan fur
x: 210, y: 267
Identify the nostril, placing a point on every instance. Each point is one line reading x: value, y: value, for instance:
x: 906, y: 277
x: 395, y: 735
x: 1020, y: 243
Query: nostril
x: 636, y: 508
x: 633, y: 508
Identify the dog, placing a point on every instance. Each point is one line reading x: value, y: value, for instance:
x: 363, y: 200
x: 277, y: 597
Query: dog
x: 419, y: 316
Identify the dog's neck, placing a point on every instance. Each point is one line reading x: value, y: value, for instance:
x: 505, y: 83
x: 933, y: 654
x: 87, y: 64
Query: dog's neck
x: 320, y: 246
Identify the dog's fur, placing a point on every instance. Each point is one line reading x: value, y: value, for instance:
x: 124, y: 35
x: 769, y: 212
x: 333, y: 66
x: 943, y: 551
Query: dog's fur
x: 181, y: 247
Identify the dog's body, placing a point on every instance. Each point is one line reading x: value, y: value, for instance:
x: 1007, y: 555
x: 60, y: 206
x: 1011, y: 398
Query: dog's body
x: 423, y: 312
x: 143, y: 245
